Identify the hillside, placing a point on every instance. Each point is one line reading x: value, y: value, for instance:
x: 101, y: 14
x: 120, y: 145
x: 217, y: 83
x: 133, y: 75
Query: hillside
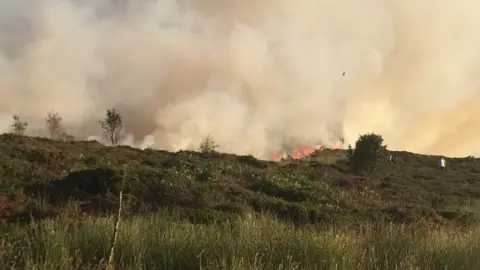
x: 44, y: 178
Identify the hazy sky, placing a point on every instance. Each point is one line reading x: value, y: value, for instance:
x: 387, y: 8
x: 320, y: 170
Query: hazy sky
x: 253, y: 74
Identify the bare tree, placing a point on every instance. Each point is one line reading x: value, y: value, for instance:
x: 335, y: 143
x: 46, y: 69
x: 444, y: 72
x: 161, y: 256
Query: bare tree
x: 53, y: 122
x: 18, y: 127
x: 112, y: 126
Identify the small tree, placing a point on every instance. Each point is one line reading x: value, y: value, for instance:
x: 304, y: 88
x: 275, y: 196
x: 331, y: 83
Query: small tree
x: 368, y: 151
x: 208, y: 145
x: 112, y: 126
x: 53, y: 122
x: 18, y: 127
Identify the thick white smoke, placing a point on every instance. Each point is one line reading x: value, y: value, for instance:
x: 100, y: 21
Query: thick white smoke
x: 253, y: 74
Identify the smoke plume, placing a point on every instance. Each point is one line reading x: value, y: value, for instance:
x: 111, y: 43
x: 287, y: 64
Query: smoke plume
x: 253, y: 74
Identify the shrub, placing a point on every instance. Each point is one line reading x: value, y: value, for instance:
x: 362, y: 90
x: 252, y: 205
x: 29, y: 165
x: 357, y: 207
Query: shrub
x: 368, y: 151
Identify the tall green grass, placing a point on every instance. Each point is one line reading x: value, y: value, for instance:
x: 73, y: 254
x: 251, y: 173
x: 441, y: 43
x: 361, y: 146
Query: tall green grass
x: 161, y: 242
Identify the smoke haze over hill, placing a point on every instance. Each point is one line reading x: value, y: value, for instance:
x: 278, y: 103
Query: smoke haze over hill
x: 253, y: 74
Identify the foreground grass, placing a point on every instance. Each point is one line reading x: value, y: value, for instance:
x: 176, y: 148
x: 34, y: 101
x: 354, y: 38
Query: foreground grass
x: 160, y: 242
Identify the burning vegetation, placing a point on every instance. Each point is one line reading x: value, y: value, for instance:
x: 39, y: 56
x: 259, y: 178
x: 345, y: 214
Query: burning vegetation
x: 299, y: 152
x: 294, y: 149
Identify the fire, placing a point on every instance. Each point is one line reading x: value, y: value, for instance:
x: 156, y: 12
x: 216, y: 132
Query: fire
x: 275, y: 156
x: 301, y: 151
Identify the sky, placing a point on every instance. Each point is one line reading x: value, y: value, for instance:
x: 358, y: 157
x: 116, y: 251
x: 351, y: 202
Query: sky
x: 255, y: 75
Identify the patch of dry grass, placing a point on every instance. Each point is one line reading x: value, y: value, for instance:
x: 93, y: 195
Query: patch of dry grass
x: 158, y: 241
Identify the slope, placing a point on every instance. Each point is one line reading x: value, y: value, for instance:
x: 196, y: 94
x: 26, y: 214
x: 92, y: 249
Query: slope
x: 42, y: 178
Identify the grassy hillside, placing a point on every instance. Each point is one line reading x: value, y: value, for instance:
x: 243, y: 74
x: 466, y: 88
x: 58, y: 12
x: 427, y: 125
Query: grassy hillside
x: 189, y: 210
x: 43, y: 178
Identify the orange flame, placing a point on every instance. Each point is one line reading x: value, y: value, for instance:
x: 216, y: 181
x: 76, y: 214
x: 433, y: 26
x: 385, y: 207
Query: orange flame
x: 275, y: 156
x: 299, y: 152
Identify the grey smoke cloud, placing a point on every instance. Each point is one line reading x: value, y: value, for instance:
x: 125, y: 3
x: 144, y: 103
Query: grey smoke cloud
x: 253, y: 74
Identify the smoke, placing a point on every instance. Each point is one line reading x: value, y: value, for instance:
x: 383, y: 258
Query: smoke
x: 252, y: 74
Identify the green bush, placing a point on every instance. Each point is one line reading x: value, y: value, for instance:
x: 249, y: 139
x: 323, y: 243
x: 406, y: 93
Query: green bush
x: 368, y: 151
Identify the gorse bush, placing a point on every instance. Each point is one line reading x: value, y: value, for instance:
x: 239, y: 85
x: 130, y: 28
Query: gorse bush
x: 369, y: 149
